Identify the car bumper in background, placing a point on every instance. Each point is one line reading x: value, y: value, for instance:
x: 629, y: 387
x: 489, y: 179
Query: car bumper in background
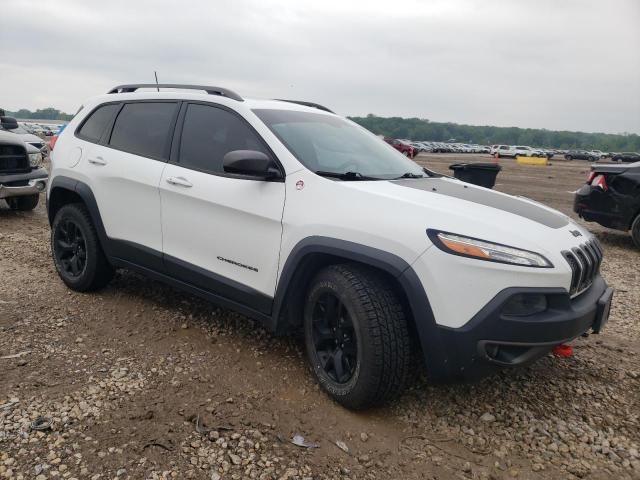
x: 17, y: 185
x: 594, y: 205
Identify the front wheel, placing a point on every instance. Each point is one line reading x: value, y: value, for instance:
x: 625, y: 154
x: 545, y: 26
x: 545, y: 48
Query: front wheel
x: 356, y: 336
x: 25, y: 203
x: 635, y: 231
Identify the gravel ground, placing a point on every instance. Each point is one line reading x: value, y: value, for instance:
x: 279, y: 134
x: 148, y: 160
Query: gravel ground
x: 142, y: 381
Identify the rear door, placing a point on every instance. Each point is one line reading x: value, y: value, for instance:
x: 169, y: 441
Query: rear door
x: 125, y: 169
x: 221, y: 232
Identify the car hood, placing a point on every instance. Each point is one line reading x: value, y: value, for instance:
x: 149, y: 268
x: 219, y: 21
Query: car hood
x: 30, y: 137
x: 488, y: 198
x: 447, y: 204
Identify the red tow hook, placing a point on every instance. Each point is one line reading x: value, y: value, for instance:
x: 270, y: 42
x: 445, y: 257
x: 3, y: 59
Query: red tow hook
x: 563, y: 351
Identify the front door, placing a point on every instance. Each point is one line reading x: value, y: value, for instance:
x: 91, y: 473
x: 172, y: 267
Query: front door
x: 220, y: 232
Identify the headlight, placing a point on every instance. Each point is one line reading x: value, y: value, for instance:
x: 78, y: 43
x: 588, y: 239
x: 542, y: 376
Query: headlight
x: 35, y: 159
x: 483, y: 250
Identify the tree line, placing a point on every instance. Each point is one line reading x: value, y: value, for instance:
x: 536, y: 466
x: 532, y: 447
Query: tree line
x: 422, y: 129
x: 40, y: 114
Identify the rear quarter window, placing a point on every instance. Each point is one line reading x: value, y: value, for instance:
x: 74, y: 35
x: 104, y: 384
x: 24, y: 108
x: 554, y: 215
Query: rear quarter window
x: 97, y: 122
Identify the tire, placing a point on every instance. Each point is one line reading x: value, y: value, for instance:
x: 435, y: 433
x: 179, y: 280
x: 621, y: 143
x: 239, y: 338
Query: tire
x: 25, y: 203
x: 375, y: 357
x: 635, y: 231
x: 76, y: 250
x: 568, y: 157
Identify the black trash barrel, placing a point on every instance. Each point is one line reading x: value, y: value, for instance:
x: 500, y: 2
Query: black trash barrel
x: 482, y: 174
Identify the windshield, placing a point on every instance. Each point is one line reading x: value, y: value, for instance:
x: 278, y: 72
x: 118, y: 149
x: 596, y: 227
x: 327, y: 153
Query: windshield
x: 329, y: 144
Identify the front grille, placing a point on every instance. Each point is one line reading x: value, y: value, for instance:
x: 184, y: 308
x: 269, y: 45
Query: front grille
x: 585, y: 263
x: 13, y: 158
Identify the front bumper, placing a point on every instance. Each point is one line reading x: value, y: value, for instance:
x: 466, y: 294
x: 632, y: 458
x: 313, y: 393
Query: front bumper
x: 21, y: 184
x: 492, y: 340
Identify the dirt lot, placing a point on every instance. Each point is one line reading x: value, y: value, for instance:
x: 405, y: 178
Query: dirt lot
x: 142, y: 381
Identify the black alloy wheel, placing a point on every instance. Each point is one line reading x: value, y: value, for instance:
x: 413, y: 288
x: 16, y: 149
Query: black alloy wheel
x: 77, y: 253
x: 334, y: 338
x: 70, y: 248
x: 356, y: 336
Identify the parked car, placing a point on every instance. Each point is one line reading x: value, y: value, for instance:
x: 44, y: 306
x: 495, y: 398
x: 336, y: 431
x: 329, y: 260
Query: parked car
x: 581, y: 155
x: 403, y: 147
x: 626, y: 157
x: 599, y: 154
x: 611, y: 197
x: 22, y: 177
x: 27, y: 137
x: 368, y: 256
x: 515, y: 151
x: 54, y: 138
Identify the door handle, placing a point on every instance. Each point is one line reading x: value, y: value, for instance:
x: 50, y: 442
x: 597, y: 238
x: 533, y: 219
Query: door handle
x: 183, y: 182
x: 97, y: 161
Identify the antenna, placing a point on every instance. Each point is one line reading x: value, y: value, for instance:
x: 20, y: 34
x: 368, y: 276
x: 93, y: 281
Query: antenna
x: 157, y: 86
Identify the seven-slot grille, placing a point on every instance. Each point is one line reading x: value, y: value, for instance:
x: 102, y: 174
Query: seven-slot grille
x: 585, y: 263
x: 13, y: 158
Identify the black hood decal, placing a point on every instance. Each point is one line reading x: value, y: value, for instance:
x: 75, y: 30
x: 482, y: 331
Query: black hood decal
x: 489, y: 198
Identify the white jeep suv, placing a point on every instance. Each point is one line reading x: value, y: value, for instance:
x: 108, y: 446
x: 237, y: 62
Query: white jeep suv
x: 301, y: 219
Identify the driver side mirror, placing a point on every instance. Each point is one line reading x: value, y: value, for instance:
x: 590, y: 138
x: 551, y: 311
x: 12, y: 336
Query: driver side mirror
x: 251, y: 163
x: 8, y: 123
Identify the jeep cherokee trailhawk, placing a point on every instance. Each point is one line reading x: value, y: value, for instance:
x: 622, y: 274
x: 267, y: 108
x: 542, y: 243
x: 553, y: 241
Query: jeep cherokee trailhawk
x: 301, y: 219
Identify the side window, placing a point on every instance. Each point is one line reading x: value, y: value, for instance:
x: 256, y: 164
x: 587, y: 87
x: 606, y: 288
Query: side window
x: 209, y: 133
x: 144, y: 128
x: 93, y: 127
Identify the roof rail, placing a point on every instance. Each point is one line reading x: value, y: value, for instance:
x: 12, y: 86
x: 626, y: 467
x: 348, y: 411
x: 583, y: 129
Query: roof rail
x: 223, y: 92
x: 306, y: 104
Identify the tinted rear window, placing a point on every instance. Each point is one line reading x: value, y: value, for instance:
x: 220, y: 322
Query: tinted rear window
x: 144, y: 128
x: 93, y: 128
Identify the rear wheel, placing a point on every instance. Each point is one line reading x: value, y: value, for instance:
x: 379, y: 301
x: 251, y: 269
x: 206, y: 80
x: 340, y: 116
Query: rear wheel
x: 77, y: 253
x: 356, y: 336
x: 27, y: 202
x: 635, y: 231
x: 568, y: 157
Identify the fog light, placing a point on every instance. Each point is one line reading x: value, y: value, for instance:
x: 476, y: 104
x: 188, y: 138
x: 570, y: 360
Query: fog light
x: 524, y: 304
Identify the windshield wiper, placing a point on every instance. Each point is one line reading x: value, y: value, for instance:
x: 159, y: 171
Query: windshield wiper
x: 410, y: 175
x: 345, y: 175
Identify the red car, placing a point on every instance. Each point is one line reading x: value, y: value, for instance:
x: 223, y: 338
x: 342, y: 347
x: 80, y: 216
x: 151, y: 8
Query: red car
x: 402, y: 147
x: 54, y: 138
